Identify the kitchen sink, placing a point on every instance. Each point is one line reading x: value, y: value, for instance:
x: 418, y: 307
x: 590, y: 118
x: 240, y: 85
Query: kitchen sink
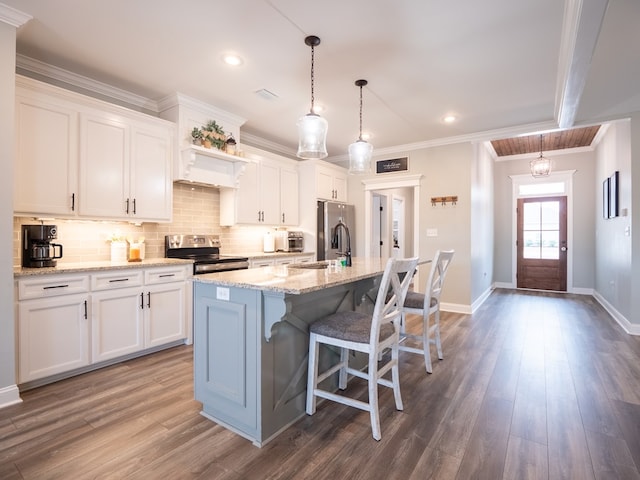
x: 311, y: 266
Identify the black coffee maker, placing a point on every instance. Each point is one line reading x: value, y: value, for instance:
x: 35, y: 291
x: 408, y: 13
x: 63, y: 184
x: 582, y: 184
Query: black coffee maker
x: 38, y: 250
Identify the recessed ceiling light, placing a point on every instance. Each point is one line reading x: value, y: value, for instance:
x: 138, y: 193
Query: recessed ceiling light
x: 232, y: 59
x: 449, y: 118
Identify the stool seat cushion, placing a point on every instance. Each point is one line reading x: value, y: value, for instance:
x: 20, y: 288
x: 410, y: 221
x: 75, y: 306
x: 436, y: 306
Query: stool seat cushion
x: 350, y: 326
x: 416, y: 300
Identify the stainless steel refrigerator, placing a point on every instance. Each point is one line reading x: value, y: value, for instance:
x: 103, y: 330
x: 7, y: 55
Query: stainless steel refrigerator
x: 329, y: 214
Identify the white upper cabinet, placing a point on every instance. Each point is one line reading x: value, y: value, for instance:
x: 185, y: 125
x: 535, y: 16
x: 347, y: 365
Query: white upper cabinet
x: 331, y: 184
x: 104, y: 165
x: 82, y: 157
x: 46, y: 163
x: 267, y: 192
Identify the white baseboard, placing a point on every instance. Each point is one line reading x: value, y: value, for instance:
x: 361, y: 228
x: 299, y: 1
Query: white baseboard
x: 455, y: 308
x: 9, y: 396
x: 627, y: 326
x: 503, y: 285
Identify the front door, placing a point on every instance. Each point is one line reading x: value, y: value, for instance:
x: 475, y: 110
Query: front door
x: 542, y: 243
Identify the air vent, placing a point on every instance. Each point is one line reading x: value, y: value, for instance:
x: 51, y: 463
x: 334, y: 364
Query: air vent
x: 266, y: 94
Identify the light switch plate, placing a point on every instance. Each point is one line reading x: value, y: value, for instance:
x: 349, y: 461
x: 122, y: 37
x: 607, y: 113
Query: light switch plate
x: 432, y: 232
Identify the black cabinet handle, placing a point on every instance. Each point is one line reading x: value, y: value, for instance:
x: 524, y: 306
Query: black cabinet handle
x: 164, y: 275
x: 85, y: 309
x: 55, y: 286
x: 134, y: 206
x: 142, y: 300
x: 73, y: 202
x: 148, y: 299
x: 283, y: 218
x: 119, y: 280
x: 127, y: 209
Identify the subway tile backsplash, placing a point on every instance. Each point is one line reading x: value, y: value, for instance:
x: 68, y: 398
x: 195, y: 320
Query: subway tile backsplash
x: 196, y: 210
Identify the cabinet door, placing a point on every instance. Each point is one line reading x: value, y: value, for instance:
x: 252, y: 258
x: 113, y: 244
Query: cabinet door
x: 164, y: 319
x: 324, y: 184
x: 247, y: 195
x: 116, y: 323
x: 46, y: 166
x: 340, y: 187
x: 53, y: 336
x: 270, y: 194
x: 150, y: 174
x: 104, y: 166
x: 289, y: 200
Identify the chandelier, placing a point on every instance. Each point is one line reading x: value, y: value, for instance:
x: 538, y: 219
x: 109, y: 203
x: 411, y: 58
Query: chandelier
x: 360, y: 151
x: 312, y: 128
x: 541, y: 166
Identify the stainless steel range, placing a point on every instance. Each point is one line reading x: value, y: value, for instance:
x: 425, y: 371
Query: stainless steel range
x: 204, y: 250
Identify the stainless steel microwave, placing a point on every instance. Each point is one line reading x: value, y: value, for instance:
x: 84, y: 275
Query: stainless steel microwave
x: 289, y: 241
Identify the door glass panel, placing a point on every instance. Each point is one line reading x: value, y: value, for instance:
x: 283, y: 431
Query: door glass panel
x: 541, y: 230
x: 550, y: 245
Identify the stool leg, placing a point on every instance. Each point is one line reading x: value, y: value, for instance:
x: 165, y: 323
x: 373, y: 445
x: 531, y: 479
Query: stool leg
x: 437, y: 333
x: 426, y: 343
x: 344, y: 364
x: 312, y: 374
x: 373, y: 397
x: 395, y: 377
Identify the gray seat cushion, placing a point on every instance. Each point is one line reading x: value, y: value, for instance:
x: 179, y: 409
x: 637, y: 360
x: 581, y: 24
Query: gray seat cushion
x: 350, y: 326
x: 416, y: 300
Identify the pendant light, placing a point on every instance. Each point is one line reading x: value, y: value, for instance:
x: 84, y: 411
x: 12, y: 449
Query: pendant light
x: 312, y: 128
x: 541, y: 166
x: 360, y: 151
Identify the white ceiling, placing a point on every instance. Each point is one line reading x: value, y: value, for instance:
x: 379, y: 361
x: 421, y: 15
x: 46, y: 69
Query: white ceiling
x: 503, y: 67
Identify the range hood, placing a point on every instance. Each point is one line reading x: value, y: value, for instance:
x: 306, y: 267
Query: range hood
x: 209, y: 167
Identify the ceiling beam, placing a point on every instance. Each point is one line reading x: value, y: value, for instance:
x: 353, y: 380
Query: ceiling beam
x: 582, y: 22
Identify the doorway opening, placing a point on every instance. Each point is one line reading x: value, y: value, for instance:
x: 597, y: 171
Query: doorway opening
x: 543, y: 232
x: 400, y: 200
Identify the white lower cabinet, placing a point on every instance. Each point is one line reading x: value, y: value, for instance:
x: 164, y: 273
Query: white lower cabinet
x: 116, y: 323
x: 66, y: 322
x: 53, y: 336
x: 164, y: 314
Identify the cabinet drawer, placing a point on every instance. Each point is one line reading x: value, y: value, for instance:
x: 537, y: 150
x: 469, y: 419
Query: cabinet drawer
x: 116, y: 279
x: 51, y: 286
x: 165, y: 275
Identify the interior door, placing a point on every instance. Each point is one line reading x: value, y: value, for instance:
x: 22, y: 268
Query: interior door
x: 542, y: 243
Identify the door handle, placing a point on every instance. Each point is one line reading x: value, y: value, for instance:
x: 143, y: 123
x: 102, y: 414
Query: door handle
x: 563, y: 249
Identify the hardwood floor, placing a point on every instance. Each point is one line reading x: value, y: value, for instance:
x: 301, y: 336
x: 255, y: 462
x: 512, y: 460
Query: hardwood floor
x: 532, y: 386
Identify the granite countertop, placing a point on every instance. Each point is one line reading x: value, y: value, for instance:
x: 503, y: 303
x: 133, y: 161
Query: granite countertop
x: 295, y: 280
x: 80, y: 267
x: 259, y: 255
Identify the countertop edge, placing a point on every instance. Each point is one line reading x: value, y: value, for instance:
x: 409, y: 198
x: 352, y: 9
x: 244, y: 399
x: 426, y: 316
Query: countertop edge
x: 81, y: 267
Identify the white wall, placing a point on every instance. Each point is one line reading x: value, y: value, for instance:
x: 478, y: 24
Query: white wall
x: 446, y: 171
x: 482, y: 223
x: 614, y: 282
x: 8, y: 390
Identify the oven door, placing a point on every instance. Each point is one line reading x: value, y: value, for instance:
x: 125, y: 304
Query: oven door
x: 200, y: 268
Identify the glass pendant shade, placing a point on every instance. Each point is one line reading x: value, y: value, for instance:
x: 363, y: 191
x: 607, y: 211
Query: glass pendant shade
x: 541, y: 166
x: 360, y: 152
x: 312, y: 136
x: 312, y: 128
x: 360, y: 157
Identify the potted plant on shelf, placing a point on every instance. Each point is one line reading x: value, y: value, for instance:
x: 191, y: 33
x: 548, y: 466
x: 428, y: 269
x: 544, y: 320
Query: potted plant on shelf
x: 196, y: 136
x: 213, y: 135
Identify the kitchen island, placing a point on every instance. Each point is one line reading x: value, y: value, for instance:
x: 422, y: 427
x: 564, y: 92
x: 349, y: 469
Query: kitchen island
x: 251, y: 338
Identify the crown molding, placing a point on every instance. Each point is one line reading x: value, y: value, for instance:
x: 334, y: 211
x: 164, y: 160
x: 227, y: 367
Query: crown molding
x: 273, y: 147
x: 48, y: 72
x: 12, y: 16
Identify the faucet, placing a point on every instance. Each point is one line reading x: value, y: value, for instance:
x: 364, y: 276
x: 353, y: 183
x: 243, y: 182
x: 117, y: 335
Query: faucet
x: 334, y: 241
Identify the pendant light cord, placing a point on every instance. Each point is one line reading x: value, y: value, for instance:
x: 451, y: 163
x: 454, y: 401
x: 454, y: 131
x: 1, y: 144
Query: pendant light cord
x: 312, y: 75
x: 360, y: 136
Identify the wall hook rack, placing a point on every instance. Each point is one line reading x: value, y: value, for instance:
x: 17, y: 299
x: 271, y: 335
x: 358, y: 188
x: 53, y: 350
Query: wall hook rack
x: 453, y: 199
